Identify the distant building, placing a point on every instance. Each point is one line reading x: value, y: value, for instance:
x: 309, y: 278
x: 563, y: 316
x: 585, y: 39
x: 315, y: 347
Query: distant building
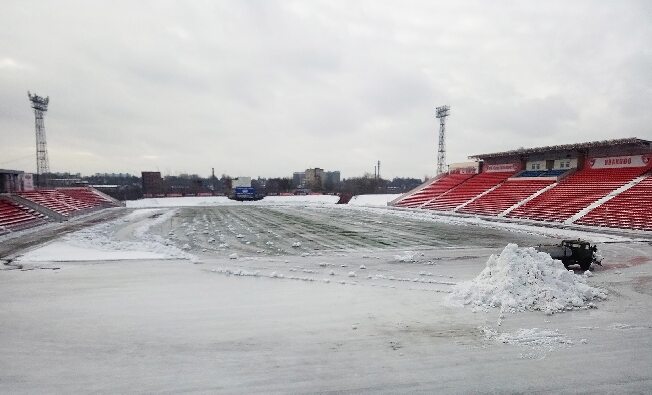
x: 241, y: 182
x: 15, y: 181
x: 332, y: 177
x: 113, y: 175
x: 314, y: 178
x: 298, y: 179
x: 66, y: 175
x: 152, y: 183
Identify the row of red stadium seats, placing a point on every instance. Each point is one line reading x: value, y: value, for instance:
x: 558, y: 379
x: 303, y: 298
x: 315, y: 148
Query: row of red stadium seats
x: 14, y: 216
x: 65, y: 202
x: 576, y: 192
x: 544, y: 200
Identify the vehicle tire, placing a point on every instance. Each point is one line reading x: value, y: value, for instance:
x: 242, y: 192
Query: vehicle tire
x: 585, y: 266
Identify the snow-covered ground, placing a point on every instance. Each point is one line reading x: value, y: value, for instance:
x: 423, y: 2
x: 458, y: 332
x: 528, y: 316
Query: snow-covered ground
x: 373, y: 199
x: 315, y: 297
x: 122, y: 239
x: 194, y: 201
x: 190, y: 201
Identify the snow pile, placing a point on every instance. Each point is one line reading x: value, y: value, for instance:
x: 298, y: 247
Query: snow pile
x: 522, y: 279
x: 408, y: 256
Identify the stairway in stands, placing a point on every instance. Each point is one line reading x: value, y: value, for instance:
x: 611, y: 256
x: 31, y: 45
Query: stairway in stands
x: 467, y: 191
x: 574, y: 193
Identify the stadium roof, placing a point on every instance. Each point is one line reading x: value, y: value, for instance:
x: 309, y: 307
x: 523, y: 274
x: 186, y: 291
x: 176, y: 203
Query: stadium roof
x: 7, y: 171
x: 566, y: 147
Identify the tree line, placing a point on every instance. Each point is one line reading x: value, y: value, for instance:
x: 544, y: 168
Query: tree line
x: 129, y: 186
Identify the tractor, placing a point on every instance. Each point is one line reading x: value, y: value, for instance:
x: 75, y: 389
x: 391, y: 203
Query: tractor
x: 573, y: 252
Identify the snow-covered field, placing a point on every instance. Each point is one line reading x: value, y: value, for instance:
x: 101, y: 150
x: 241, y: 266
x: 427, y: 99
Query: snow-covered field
x: 373, y: 200
x: 194, y: 201
x: 308, y: 296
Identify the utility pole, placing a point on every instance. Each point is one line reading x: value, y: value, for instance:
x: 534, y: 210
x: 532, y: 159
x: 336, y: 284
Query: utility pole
x: 213, y: 181
x: 442, y: 113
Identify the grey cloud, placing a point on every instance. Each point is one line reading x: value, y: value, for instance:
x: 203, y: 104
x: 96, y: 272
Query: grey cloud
x: 270, y: 87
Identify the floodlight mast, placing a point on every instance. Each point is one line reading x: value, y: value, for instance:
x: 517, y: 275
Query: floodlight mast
x: 442, y: 112
x: 40, y: 106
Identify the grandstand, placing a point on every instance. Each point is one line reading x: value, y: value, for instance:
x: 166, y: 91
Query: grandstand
x: 28, y: 208
x: 601, y: 183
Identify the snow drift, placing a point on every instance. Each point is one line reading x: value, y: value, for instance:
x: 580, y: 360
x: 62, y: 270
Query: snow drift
x: 521, y: 279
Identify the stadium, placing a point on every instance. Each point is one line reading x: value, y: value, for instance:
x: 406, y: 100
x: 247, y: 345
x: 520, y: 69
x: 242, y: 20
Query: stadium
x: 211, y: 222
x: 602, y: 184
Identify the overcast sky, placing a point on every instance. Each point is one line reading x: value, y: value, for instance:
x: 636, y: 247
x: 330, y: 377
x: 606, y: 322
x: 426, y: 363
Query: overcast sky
x: 265, y: 88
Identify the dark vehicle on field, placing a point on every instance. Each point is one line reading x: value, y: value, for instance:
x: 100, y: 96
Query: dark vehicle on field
x: 244, y: 194
x: 573, y: 252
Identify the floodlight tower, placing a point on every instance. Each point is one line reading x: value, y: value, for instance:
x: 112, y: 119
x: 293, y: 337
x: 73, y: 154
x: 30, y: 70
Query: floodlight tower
x: 442, y: 113
x: 40, y: 106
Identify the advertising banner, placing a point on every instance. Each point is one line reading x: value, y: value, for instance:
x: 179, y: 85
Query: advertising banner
x: 464, y: 168
x: 501, y: 168
x: 614, y: 162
